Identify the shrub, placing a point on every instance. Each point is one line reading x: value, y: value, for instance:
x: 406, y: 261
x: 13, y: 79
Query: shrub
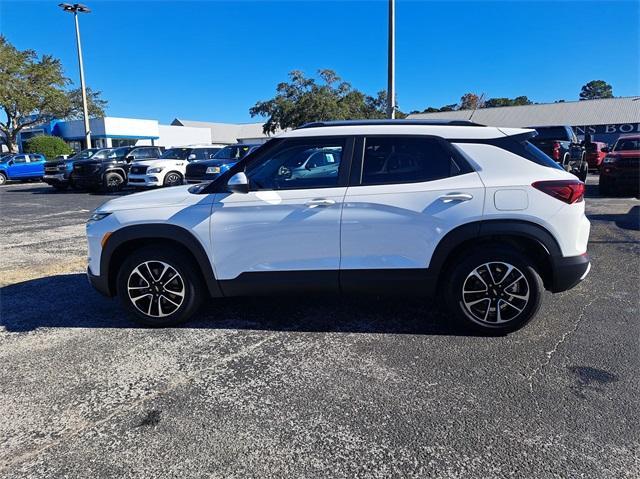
x: 49, y: 146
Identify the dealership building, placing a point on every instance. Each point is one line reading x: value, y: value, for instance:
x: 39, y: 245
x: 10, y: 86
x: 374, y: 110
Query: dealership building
x: 108, y: 132
x: 605, y: 119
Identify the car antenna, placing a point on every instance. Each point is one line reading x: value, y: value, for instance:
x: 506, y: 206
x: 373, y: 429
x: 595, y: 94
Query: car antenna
x: 476, y: 107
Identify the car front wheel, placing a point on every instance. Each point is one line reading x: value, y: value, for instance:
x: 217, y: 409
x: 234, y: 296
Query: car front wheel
x: 159, y: 287
x: 3, y: 179
x: 113, y: 182
x: 173, y: 178
x: 494, y: 290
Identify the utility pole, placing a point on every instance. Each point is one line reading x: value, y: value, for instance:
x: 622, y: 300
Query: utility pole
x: 391, y: 62
x: 75, y: 9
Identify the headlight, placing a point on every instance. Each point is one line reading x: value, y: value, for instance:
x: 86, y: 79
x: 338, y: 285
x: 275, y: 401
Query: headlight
x: 213, y: 170
x: 155, y: 170
x: 610, y: 159
x: 97, y: 217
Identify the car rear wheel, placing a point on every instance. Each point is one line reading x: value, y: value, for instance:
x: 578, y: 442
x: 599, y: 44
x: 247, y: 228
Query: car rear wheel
x: 113, y: 182
x: 173, y: 178
x: 160, y: 287
x: 494, y: 290
x: 3, y: 179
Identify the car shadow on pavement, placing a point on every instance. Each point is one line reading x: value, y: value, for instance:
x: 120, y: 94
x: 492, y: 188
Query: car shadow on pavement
x: 68, y: 301
x: 628, y: 221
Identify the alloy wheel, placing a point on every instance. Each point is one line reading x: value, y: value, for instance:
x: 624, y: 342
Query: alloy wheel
x: 156, y: 289
x: 173, y: 179
x: 495, y: 293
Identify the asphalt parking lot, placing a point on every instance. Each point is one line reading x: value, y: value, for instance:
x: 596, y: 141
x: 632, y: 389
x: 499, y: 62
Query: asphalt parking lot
x: 304, y: 387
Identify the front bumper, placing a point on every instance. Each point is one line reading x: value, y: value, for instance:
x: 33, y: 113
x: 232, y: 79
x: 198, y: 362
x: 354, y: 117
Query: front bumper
x: 144, y: 180
x: 55, y: 179
x: 569, y: 271
x: 100, y: 283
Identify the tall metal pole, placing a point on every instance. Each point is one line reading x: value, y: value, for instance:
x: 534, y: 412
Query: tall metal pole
x: 391, y: 80
x: 85, y: 110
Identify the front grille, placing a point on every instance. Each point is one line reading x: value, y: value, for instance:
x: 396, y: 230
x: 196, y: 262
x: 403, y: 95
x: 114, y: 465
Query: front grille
x: 628, y: 162
x: 138, y: 170
x: 52, y: 169
x: 195, y: 170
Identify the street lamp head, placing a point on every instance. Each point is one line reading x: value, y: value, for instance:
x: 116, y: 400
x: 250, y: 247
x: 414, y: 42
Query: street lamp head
x: 75, y: 8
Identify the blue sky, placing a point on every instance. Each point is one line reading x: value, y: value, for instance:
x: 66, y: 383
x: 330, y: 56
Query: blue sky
x: 212, y: 60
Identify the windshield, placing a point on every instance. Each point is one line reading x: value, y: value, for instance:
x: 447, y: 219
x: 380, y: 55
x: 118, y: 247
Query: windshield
x: 5, y: 158
x: 85, y: 154
x: 176, y: 154
x: 234, y: 152
x: 553, y: 133
x: 119, y: 152
x: 627, y: 144
x: 103, y: 154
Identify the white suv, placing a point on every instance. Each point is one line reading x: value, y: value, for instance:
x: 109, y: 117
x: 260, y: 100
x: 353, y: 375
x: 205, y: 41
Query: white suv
x: 474, y: 214
x: 170, y: 168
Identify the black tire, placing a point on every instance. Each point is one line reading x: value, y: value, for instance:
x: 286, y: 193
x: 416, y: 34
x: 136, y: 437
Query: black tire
x: 605, y: 188
x: 172, y: 178
x: 60, y: 186
x: 566, y: 162
x: 509, y: 312
x: 157, y: 258
x: 112, y: 182
x: 584, y: 171
x: 3, y: 179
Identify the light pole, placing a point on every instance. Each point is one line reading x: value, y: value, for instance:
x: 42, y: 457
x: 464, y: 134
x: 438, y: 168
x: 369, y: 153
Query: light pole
x: 75, y: 9
x: 391, y: 65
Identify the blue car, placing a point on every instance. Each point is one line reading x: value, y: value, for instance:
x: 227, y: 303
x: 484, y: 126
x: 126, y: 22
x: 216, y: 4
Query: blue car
x: 207, y: 170
x: 21, y: 167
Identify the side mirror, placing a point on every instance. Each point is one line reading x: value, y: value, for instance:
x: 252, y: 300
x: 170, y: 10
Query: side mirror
x: 191, y: 157
x: 238, y: 183
x: 129, y: 158
x: 10, y: 162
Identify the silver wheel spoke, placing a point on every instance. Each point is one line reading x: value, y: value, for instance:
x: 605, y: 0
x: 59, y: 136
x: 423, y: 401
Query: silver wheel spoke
x: 144, y: 285
x: 495, y: 297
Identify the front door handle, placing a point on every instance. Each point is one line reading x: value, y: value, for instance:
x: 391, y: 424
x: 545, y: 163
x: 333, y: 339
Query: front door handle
x: 449, y: 197
x: 320, y: 202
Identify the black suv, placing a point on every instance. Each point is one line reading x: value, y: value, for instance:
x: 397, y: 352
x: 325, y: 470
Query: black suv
x: 109, y: 172
x: 561, y: 144
x: 58, y: 172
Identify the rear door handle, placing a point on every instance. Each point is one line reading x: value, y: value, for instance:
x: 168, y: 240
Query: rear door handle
x: 320, y: 202
x: 449, y: 197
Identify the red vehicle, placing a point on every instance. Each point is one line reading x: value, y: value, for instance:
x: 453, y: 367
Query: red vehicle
x: 621, y: 167
x: 596, y: 152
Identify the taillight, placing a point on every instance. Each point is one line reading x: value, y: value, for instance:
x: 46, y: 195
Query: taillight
x: 556, y: 151
x: 569, y: 191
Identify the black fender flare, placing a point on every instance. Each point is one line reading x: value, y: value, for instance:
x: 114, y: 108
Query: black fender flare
x: 120, y: 171
x: 156, y: 231
x: 479, y: 229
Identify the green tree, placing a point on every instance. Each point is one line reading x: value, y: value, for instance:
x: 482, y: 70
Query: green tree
x: 302, y: 100
x: 596, y: 89
x: 33, y: 91
x: 470, y: 101
x: 49, y: 146
x: 95, y: 104
x: 497, y: 102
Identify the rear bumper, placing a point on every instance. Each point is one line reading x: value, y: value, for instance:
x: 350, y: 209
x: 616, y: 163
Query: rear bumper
x: 569, y: 271
x: 100, y: 283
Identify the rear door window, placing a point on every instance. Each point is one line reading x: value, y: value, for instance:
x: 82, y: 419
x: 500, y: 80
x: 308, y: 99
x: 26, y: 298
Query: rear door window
x: 396, y: 159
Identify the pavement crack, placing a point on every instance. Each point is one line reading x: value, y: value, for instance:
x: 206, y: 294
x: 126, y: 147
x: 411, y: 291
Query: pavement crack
x: 549, y: 354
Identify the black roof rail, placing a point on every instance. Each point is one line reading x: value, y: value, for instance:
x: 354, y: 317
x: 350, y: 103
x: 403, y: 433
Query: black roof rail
x: 317, y: 124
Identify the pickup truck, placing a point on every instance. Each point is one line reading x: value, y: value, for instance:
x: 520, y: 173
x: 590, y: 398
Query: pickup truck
x: 561, y: 144
x: 110, y: 173
x: 21, y: 167
x: 58, y: 173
